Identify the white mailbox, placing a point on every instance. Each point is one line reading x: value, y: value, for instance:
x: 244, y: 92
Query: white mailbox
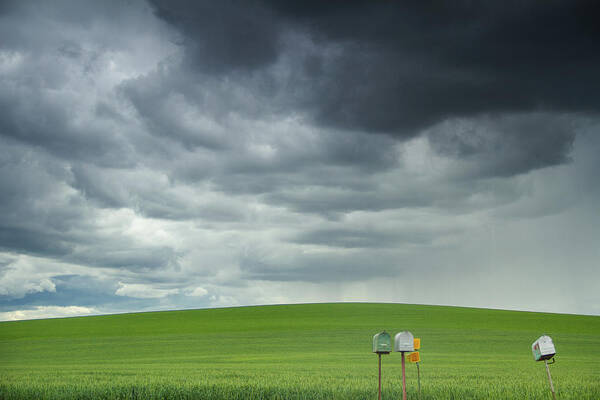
x: 404, y: 341
x: 543, y: 348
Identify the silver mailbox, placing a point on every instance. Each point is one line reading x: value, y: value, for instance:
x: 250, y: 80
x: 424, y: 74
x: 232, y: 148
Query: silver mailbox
x: 543, y: 348
x: 404, y: 341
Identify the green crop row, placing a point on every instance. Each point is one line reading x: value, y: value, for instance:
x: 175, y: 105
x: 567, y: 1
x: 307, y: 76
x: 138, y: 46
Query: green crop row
x: 264, y: 390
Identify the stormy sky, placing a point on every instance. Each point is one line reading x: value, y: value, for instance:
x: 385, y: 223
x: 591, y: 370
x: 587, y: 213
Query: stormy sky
x: 172, y: 154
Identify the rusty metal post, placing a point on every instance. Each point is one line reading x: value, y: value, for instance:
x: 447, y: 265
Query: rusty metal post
x: 379, y: 396
x: 419, y: 380
x: 403, y: 379
x: 550, y: 380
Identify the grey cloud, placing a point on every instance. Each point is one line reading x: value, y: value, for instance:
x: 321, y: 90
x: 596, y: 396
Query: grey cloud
x: 241, y: 152
x: 225, y: 36
x: 332, y: 267
x: 369, y: 237
x: 58, y: 61
x: 506, y: 145
x: 125, y: 255
x: 164, y: 109
x: 99, y: 187
x: 44, y: 216
x: 149, y: 193
x: 398, y: 68
x: 28, y: 117
x: 331, y: 160
x: 495, y: 47
x: 331, y: 201
x: 32, y: 221
x: 451, y: 193
x: 32, y: 112
x: 422, y: 63
x: 37, y: 26
x: 14, y: 238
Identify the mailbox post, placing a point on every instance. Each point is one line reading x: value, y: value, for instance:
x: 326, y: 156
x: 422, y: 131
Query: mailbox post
x: 382, y: 344
x: 416, y: 358
x: 404, y: 342
x: 543, y: 350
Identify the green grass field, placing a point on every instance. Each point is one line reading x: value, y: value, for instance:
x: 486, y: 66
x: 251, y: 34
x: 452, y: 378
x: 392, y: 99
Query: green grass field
x: 317, y: 351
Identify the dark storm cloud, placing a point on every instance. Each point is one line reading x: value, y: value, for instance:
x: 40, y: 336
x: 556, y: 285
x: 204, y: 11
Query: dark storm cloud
x: 409, y: 64
x: 507, y: 145
x: 400, y: 67
x: 212, y: 44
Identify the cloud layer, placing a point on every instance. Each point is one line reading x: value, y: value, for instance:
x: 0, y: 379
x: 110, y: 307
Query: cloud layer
x: 173, y: 155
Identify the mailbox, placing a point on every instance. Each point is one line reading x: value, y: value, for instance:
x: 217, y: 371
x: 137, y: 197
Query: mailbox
x: 404, y: 341
x: 417, y: 343
x: 382, y: 343
x: 543, y: 348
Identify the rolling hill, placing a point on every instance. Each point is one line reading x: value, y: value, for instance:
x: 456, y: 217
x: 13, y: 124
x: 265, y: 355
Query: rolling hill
x: 308, y: 351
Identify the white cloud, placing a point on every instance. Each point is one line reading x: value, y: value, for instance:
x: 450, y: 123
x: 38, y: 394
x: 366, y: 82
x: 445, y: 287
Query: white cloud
x: 142, y: 291
x: 198, y: 292
x: 47, y: 312
x: 22, y: 278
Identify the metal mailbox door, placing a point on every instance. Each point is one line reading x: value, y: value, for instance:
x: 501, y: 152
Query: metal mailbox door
x: 543, y: 348
x: 404, y: 341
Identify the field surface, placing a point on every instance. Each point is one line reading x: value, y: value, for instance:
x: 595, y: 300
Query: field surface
x: 317, y: 351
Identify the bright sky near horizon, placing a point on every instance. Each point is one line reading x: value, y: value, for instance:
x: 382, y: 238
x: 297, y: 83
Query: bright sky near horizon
x: 170, y: 154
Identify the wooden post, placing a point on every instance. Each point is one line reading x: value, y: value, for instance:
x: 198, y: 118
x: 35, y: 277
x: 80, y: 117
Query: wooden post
x: 379, y: 397
x: 403, y: 379
x: 550, y: 380
x: 419, y: 380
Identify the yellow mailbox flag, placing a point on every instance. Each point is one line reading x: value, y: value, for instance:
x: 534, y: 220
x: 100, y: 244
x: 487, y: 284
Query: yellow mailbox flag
x: 417, y: 342
x: 414, y: 357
